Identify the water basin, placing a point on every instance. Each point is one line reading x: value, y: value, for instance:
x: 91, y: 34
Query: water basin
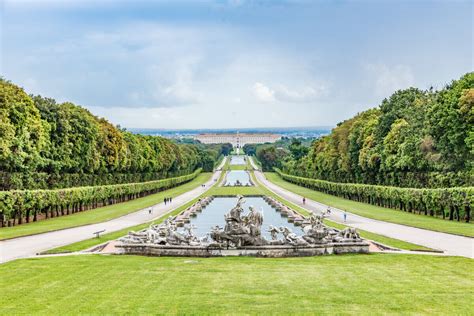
x: 237, y: 160
x: 238, y: 175
x: 213, y: 215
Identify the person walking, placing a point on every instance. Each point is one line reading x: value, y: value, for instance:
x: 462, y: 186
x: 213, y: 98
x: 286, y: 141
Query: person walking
x: 304, y: 200
x: 345, y: 216
x: 150, y: 210
x: 328, y: 211
x: 164, y: 200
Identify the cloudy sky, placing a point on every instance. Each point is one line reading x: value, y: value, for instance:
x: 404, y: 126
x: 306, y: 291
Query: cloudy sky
x: 215, y: 64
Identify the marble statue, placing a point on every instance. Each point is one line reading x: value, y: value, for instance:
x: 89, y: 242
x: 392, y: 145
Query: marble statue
x: 240, y: 230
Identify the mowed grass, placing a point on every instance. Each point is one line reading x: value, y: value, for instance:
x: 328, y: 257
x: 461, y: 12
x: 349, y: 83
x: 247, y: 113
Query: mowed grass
x: 224, y: 191
x: 377, y: 212
x: 348, y: 284
x: 238, y: 167
x: 99, y: 214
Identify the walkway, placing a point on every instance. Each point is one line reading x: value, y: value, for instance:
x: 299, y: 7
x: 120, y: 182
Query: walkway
x: 30, y: 245
x: 450, y: 244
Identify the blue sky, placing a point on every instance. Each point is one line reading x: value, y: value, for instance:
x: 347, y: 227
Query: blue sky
x: 214, y: 64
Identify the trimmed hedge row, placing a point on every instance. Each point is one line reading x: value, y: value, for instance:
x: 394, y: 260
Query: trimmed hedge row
x: 451, y: 203
x: 17, y: 206
x: 51, y: 181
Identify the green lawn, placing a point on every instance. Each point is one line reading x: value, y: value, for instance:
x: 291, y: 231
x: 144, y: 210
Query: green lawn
x: 238, y: 167
x: 99, y: 214
x: 377, y: 212
x: 235, y: 191
x: 348, y: 284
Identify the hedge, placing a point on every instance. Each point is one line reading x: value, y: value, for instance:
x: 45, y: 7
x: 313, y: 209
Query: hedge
x: 17, y: 206
x: 50, y: 181
x: 452, y: 203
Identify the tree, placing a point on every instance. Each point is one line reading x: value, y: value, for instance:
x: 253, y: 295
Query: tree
x: 297, y: 149
x: 226, y: 149
x: 271, y: 157
x: 250, y: 149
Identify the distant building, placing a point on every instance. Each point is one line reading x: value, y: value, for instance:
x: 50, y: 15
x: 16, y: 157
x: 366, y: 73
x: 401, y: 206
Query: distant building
x: 238, y: 140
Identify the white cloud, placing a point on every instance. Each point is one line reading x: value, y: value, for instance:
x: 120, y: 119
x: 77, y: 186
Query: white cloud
x: 263, y: 93
x: 388, y: 79
x: 305, y: 94
x: 282, y: 93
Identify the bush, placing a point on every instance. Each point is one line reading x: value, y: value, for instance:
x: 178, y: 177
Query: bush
x: 457, y: 202
x: 20, y: 205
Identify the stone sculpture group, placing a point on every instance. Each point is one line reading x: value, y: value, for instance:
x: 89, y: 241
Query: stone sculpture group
x: 241, y: 231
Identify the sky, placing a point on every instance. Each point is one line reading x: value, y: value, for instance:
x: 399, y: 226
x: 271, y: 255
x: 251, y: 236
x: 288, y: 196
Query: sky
x: 232, y: 64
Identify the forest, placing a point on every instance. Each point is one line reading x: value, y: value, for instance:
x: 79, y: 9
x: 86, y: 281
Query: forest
x: 414, y: 138
x: 50, y: 145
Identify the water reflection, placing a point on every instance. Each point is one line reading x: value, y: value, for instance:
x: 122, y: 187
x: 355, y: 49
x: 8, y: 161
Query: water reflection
x: 213, y: 215
x: 241, y: 176
x: 237, y: 160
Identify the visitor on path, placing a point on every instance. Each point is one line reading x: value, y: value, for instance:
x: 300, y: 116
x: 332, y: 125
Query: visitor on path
x: 150, y: 210
x: 304, y: 200
x: 164, y: 200
x: 328, y: 211
x: 345, y: 216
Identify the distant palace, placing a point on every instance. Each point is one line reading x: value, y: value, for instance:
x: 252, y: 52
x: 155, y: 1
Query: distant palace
x: 238, y: 140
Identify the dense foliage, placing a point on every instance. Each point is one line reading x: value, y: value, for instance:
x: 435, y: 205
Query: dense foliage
x: 452, y: 203
x: 18, y: 206
x: 414, y: 139
x: 44, y: 144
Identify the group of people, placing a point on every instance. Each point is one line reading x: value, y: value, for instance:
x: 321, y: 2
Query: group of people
x: 168, y: 200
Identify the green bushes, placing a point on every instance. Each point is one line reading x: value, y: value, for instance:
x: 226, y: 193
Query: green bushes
x: 18, y: 206
x: 43, y: 180
x: 449, y: 203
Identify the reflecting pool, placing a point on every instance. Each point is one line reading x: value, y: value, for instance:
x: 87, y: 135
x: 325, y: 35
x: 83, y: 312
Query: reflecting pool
x: 213, y: 215
x: 237, y: 160
x: 238, y: 175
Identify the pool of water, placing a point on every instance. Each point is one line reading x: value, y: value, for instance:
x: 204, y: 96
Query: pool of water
x: 241, y: 175
x: 213, y: 215
x: 237, y: 160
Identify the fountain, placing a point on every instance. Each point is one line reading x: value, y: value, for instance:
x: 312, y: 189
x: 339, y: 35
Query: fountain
x: 242, y: 236
x: 238, y: 178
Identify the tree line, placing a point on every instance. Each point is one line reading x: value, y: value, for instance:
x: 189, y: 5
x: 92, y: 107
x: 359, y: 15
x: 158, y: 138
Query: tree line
x: 45, y: 144
x: 414, y: 139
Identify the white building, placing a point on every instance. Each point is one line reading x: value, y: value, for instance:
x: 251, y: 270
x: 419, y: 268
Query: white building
x: 238, y: 140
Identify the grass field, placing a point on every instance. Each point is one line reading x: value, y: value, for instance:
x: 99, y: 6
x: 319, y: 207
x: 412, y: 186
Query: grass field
x: 377, y: 212
x: 99, y: 214
x: 348, y: 284
x: 238, y: 167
